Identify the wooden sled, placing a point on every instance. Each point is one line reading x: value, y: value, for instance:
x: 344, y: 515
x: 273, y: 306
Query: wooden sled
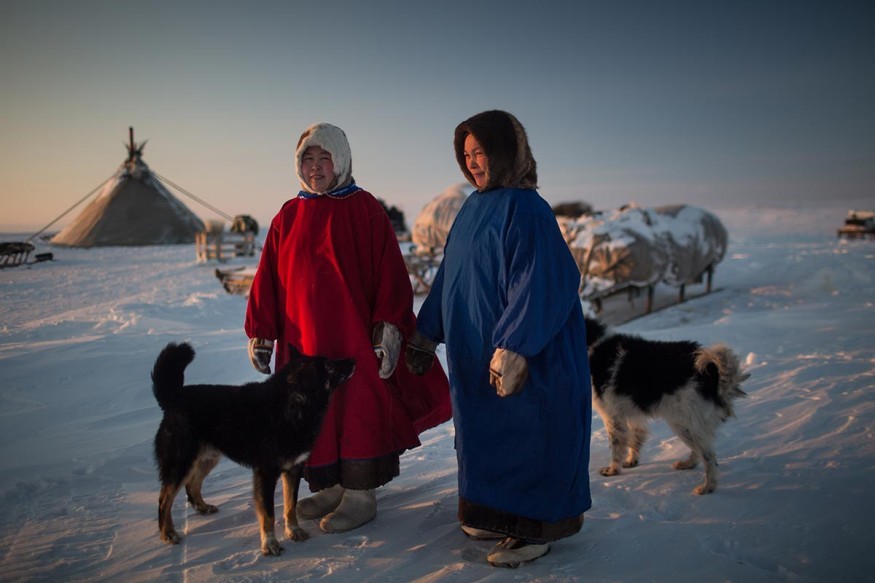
x: 236, y: 280
x: 13, y: 254
x: 609, y: 306
x: 422, y: 268
x: 858, y: 225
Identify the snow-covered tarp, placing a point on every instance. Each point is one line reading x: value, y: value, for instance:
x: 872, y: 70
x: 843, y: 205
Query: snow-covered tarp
x: 433, y: 224
x: 639, y: 247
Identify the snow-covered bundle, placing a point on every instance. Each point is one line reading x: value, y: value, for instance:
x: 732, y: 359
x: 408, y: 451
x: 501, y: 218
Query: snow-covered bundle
x: 433, y: 224
x: 639, y: 247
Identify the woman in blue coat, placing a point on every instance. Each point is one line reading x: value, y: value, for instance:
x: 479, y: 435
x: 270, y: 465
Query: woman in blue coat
x: 505, y: 302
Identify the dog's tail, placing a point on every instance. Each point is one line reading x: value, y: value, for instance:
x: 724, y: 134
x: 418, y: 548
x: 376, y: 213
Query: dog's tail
x: 168, y: 374
x: 720, y: 363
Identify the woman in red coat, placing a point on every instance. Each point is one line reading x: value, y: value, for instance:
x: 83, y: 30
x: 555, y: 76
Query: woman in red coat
x: 332, y: 282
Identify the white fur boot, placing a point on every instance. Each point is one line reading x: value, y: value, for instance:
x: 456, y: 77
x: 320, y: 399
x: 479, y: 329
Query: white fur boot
x: 356, y: 508
x: 513, y: 552
x: 320, y: 503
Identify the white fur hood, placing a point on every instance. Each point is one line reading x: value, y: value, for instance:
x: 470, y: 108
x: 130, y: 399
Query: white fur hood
x: 332, y: 139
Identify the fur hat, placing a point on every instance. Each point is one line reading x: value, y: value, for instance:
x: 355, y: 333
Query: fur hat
x: 506, y: 145
x: 333, y: 140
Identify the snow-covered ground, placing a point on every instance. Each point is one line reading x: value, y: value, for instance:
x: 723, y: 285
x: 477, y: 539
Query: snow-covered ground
x: 78, y: 486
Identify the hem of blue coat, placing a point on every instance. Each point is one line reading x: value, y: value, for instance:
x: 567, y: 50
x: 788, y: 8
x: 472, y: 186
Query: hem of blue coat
x: 521, y: 527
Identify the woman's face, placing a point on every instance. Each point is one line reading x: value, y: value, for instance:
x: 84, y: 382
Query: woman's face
x: 317, y: 167
x: 476, y: 160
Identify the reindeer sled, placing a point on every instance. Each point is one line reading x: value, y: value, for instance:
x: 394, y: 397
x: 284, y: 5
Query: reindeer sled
x: 858, y: 225
x: 632, y: 250
x: 429, y: 236
x: 15, y: 253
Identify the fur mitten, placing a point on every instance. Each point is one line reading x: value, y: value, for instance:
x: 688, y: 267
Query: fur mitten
x: 260, y: 353
x: 420, y: 354
x: 508, y: 372
x: 387, y: 346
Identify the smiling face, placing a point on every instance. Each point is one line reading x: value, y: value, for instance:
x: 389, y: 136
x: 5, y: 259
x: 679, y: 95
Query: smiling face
x: 476, y: 160
x: 317, y: 168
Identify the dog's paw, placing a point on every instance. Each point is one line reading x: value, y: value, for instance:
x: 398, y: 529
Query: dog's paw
x: 630, y: 463
x: 206, y: 509
x: 171, y: 537
x: 684, y: 465
x: 704, y: 489
x: 609, y: 471
x: 271, y: 547
x: 297, y: 534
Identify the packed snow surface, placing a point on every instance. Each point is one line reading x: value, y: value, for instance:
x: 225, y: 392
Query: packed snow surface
x: 79, y: 488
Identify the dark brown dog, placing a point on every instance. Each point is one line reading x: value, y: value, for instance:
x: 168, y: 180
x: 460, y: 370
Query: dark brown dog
x: 268, y: 426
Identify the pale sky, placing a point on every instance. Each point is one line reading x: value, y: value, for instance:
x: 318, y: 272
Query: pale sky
x: 706, y: 103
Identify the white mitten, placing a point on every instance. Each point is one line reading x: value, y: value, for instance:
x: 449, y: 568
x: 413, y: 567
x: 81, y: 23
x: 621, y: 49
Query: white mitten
x: 260, y: 353
x: 387, y: 347
x: 507, y: 372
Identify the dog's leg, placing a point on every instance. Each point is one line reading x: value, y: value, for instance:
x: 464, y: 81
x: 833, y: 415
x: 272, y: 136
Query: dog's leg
x: 618, y: 437
x: 165, y: 513
x: 689, y: 463
x: 687, y: 436
x: 264, y: 488
x: 291, y: 486
x: 202, y: 467
x: 701, y: 446
x: 638, y: 435
x: 709, y: 457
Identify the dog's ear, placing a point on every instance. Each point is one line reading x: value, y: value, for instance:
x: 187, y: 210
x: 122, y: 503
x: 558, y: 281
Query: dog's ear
x: 595, y: 330
x: 293, y: 352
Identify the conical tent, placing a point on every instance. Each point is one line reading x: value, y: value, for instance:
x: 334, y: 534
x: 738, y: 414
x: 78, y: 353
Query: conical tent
x: 133, y: 208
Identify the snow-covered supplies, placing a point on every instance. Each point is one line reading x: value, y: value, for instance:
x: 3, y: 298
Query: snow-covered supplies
x: 640, y: 247
x: 433, y: 224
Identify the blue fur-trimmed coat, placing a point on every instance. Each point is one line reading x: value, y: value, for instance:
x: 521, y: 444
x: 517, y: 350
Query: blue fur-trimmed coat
x: 509, y: 281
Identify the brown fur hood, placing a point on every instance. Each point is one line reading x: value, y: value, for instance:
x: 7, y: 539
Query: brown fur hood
x: 506, y: 145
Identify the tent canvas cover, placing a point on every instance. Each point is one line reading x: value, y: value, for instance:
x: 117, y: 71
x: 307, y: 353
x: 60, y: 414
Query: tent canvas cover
x: 133, y: 208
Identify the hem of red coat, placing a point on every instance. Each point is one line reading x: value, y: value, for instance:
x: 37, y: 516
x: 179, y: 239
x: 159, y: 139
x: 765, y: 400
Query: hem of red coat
x: 365, y: 474
x: 432, y: 421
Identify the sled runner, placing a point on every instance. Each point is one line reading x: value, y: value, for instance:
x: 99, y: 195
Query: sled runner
x: 15, y: 253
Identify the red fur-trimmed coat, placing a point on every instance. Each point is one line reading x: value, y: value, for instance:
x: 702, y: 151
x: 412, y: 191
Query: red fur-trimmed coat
x: 330, y: 270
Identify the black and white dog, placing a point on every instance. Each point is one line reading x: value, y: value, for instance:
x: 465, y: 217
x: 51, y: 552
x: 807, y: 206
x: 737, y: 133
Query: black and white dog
x: 690, y: 386
x: 269, y: 426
